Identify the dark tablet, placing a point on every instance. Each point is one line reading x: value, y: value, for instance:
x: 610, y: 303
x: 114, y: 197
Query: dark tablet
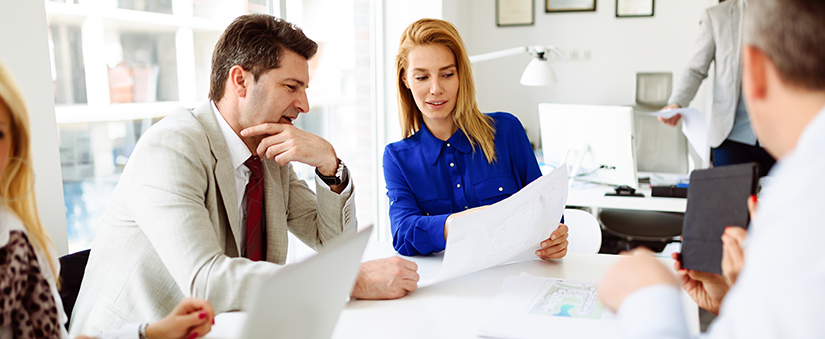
x: 717, y: 198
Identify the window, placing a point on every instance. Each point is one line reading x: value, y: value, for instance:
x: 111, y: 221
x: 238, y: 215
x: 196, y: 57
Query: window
x: 118, y: 67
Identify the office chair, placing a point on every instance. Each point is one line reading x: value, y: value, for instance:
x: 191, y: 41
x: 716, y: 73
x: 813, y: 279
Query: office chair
x: 627, y: 229
x: 72, y: 269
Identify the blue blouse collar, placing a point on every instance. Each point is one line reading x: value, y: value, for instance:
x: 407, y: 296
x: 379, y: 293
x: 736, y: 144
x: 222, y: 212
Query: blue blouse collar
x: 433, y: 146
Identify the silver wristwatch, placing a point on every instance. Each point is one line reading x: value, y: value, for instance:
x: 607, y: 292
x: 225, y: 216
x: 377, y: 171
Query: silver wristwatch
x: 340, y: 177
x: 142, y: 331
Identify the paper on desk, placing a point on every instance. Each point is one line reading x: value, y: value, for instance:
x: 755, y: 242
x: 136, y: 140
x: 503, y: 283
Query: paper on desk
x: 538, y: 307
x: 501, y: 232
x: 693, y: 126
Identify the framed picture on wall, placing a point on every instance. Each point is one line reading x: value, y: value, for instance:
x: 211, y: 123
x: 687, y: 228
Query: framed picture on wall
x: 515, y: 12
x: 634, y: 8
x: 555, y: 6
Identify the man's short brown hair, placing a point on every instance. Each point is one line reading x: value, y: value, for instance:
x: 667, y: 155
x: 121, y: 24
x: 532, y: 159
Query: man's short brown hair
x: 792, y: 34
x: 255, y: 42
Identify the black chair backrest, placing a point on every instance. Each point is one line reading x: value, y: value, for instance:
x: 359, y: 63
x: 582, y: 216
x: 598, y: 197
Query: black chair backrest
x: 72, y: 268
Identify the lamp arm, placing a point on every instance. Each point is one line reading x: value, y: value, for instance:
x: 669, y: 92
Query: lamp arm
x: 558, y: 52
x: 499, y: 54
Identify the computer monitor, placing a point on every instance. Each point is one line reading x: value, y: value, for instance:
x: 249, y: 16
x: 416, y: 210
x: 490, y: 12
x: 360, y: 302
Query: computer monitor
x: 598, y: 138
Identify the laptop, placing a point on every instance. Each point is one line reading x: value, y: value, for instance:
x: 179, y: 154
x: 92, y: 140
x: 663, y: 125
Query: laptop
x: 304, y: 300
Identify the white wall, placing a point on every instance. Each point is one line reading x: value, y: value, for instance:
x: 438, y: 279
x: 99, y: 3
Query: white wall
x: 619, y: 48
x: 24, y: 50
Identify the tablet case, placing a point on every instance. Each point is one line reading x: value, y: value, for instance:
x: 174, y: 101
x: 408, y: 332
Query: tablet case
x: 717, y: 198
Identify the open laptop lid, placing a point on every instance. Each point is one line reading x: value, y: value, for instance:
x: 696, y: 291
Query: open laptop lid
x: 304, y: 300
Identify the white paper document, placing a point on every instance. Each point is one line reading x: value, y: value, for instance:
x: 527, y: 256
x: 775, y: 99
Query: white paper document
x: 539, y: 307
x: 694, y: 127
x: 501, y: 232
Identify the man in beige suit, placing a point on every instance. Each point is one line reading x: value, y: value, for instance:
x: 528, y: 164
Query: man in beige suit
x: 729, y: 129
x: 187, y: 219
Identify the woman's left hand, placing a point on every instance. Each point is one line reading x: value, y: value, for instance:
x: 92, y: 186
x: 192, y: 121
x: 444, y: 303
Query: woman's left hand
x: 554, y: 247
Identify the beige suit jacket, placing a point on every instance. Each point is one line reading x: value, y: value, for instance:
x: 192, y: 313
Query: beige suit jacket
x: 720, y: 42
x: 172, y: 227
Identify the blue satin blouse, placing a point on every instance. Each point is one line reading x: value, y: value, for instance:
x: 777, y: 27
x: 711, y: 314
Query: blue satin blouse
x: 428, y: 179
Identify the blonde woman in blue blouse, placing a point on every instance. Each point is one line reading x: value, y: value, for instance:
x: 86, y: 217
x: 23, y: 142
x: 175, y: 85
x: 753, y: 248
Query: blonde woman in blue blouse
x: 453, y: 157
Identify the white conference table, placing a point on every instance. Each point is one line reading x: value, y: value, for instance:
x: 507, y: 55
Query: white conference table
x: 450, y: 309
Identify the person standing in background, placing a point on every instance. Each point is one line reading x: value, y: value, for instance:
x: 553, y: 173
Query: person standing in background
x: 730, y: 134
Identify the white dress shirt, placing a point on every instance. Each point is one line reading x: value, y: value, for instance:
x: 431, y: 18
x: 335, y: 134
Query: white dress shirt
x: 781, y: 289
x: 239, y: 153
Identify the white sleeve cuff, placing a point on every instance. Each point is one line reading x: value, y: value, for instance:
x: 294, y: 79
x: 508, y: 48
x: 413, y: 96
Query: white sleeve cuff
x: 653, y: 312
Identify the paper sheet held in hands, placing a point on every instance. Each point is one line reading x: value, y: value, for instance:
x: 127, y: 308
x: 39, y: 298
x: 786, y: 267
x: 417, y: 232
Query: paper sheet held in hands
x: 501, y: 232
x: 694, y: 127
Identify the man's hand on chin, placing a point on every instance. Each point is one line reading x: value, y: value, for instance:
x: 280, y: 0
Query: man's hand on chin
x: 284, y: 143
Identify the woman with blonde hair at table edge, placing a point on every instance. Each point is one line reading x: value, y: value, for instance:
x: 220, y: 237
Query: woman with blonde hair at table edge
x: 453, y: 158
x: 31, y: 306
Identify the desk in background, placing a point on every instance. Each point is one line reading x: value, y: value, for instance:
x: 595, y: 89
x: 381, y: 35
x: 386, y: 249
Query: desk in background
x: 592, y: 195
x: 449, y: 309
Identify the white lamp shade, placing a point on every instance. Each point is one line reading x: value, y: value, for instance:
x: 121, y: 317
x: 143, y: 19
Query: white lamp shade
x: 538, y: 73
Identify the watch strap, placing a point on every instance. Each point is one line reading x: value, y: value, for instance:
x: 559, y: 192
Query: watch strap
x: 341, y: 175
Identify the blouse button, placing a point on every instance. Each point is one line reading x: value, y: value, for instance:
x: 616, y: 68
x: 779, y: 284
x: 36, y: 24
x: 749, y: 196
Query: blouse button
x: 458, y: 186
x: 465, y: 207
x: 448, y: 144
x: 452, y: 164
x: 500, y: 189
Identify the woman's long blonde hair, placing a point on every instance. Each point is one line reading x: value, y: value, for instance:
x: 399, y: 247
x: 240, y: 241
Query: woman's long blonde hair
x: 17, y: 179
x: 477, y: 127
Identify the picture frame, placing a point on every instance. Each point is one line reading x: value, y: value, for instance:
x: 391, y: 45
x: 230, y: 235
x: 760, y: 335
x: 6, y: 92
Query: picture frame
x: 515, y: 13
x: 634, y: 8
x: 557, y: 6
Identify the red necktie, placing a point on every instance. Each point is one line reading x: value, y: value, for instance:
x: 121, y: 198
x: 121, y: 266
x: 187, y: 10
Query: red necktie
x: 255, y: 245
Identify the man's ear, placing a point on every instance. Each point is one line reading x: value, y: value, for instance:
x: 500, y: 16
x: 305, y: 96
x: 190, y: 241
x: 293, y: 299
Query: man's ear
x: 239, y: 78
x: 754, y: 73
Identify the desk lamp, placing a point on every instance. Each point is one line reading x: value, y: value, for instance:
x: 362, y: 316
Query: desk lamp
x: 538, y: 71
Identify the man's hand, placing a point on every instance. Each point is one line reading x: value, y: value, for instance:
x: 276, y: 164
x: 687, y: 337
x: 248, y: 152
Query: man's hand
x: 555, y: 247
x: 637, y: 270
x: 388, y: 278
x: 672, y: 121
x: 284, y: 143
x: 706, y: 289
x: 191, y: 318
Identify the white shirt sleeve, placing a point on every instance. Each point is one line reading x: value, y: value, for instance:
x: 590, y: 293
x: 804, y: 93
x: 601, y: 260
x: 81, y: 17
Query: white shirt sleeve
x: 128, y: 331
x: 653, y: 312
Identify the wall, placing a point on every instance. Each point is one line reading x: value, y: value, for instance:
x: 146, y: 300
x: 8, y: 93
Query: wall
x: 619, y: 48
x: 24, y: 50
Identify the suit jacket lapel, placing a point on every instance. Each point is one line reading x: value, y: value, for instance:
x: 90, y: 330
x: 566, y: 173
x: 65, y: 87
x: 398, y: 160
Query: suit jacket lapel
x: 275, y: 207
x: 224, y: 173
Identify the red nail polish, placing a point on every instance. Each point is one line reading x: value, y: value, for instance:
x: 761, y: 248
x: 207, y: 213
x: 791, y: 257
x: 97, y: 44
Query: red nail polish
x: 202, y: 315
x: 193, y: 335
x: 213, y: 321
x: 753, y: 198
